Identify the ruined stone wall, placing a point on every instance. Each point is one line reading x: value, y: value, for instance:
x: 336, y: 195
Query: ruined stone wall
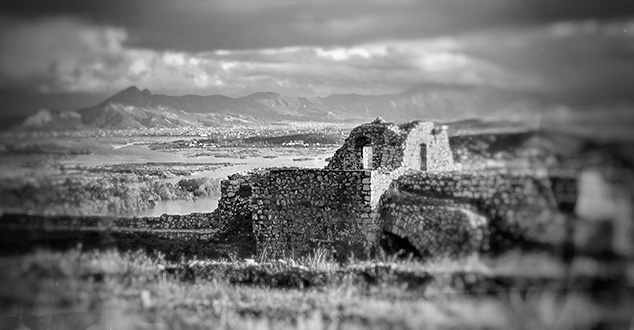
x: 512, y: 196
x: 381, y: 181
x: 492, y: 187
x: 235, y: 201
x: 233, y: 214
x: 512, y: 206
x: 396, y: 146
x: 174, y: 235
x: 298, y: 210
x: 434, y: 228
x: 292, y: 211
x: 385, y: 138
x: 193, y: 221
x: 439, y: 154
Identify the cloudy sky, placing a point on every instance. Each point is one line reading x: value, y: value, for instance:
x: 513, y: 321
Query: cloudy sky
x: 64, y: 54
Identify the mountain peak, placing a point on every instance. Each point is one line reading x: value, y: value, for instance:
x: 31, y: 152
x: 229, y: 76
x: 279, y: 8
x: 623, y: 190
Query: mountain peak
x: 132, y: 95
x: 135, y: 90
x: 130, y: 90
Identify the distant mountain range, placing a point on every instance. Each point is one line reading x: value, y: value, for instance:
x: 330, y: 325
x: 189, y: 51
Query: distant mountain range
x: 135, y: 108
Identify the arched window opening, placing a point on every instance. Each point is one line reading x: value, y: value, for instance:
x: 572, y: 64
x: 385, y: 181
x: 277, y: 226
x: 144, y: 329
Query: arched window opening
x: 364, y: 143
x: 367, y: 157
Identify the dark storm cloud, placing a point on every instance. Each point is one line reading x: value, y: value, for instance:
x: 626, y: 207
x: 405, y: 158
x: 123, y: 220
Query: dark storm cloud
x: 198, y: 25
x: 573, y: 52
x: 581, y: 63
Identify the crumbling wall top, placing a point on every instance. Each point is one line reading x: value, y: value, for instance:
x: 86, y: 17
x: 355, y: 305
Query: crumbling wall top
x: 386, y: 146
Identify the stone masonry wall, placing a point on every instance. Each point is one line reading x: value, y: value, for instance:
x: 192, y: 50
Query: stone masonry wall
x: 395, y: 146
x: 385, y: 138
x: 434, y: 227
x: 439, y: 154
x: 234, y: 211
x: 174, y: 235
x: 292, y: 211
x: 298, y: 210
x: 518, y: 206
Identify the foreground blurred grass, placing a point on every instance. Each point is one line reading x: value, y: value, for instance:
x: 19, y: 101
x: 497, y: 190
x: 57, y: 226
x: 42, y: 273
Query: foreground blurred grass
x: 80, y: 289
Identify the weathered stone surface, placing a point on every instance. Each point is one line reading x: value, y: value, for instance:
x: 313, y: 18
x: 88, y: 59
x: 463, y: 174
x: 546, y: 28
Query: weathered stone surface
x: 294, y: 211
x: 434, y: 229
x: 520, y: 207
x: 411, y: 190
x: 395, y: 146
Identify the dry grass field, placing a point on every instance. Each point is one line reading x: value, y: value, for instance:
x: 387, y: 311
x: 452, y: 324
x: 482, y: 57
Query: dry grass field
x: 111, y: 289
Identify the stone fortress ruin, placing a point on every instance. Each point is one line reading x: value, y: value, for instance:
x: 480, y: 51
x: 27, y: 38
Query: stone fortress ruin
x: 397, y: 187
x: 295, y: 210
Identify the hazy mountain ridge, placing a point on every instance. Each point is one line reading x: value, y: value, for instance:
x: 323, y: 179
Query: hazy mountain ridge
x: 135, y: 108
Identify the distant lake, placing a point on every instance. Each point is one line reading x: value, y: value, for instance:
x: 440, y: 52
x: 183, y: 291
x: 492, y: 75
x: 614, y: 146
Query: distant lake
x: 200, y: 205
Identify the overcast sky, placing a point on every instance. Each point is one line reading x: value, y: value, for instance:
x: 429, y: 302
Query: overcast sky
x: 67, y: 53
